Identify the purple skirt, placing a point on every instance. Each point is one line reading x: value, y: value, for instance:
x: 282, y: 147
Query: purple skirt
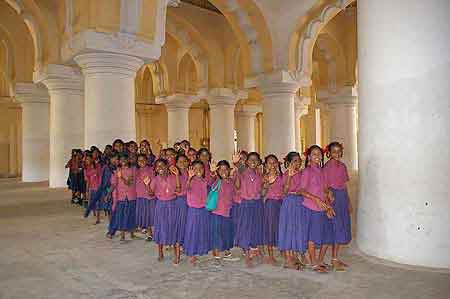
x: 290, y: 228
x: 145, y: 212
x: 197, y: 236
x: 249, y: 230
x: 181, y: 214
x: 166, y: 221
x: 271, y: 221
x: 342, y: 225
x: 221, y: 232
x: 124, y: 217
x: 318, y: 227
x: 234, y: 213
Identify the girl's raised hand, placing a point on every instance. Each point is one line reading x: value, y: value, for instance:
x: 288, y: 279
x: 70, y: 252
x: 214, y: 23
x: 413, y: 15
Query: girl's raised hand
x: 213, y: 166
x: 291, y: 170
x: 191, y: 172
x: 174, y: 170
x: 147, y: 180
x: 119, y: 173
x: 236, y: 157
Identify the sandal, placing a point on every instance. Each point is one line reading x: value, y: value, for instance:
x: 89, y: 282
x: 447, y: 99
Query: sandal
x: 319, y: 269
x: 337, y: 265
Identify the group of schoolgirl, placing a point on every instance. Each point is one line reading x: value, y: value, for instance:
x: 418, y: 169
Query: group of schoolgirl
x: 187, y: 201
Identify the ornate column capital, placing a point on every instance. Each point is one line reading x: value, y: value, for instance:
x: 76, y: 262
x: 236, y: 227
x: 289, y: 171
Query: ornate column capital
x: 225, y: 96
x: 248, y: 110
x: 31, y: 93
x: 108, y: 63
x: 60, y: 78
x: 346, y: 96
x: 279, y: 81
x: 178, y: 100
x: 301, y: 105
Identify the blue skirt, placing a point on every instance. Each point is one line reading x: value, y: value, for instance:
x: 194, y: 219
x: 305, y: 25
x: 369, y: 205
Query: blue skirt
x: 166, y: 222
x: 181, y: 214
x: 318, y: 227
x: 271, y: 221
x: 249, y: 230
x: 197, y: 236
x: 124, y: 217
x: 342, y: 225
x: 221, y: 232
x: 145, y: 212
x: 290, y: 228
x: 234, y: 213
x: 94, y: 202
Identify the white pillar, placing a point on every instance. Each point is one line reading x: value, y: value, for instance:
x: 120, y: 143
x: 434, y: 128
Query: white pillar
x: 342, y: 112
x: 65, y: 86
x: 279, y: 92
x: 301, y: 109
x: 245, y: 127
x: 221, y: 108
x: 177, y: 107
x: 109, y: 97
x: 35, y: 131
x: 404, y: 125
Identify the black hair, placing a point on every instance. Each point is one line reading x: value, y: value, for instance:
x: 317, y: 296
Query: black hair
x: 289, y: 157
x: 145, y: 141
x: 330, y: 146
x: 118, y: 141
x: 181, y: 156
x: 266, y: 159
x: 185, y: 141
x: 171, y: 149
x: 254, y: 154
x: 244, y: 152
x: 222, y: 163
x: 308, y: 152
x: 132, y: 142
x: 203, y: 149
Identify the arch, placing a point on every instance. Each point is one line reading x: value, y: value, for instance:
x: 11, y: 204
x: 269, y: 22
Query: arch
x: 186, y: 75
x: 303, y: 39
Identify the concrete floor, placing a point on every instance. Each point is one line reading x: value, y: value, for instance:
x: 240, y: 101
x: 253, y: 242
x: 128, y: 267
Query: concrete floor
x: 47, y: 250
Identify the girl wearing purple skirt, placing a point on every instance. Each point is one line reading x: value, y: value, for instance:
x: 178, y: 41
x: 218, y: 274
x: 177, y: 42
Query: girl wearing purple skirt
x: 317, y: 225
x: 92, y: 177
x: 249, y: 231
x: 220, y: 219
x: 204, y: 155
x: 123, y: 181
x: 337, y: 177
x: 145, y: 204
x: 165, y: 186
x: 197, y: 235
x: 182, y: 165
x: 272, y: 191
x: 290, y: 233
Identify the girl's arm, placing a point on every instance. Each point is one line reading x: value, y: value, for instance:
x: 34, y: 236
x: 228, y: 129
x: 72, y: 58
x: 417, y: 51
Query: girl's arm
x: 237, y: 179
x: 314, y: 198
x: 178, y: 183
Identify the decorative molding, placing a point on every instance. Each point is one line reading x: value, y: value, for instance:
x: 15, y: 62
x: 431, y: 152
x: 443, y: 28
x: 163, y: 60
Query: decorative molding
x: 59, y: 78
x: 346, y: 96
x: 130, y: 14
x: 225, y: 96
x: 178, y: 101
x: 31, y: 93
x: 108, y: 63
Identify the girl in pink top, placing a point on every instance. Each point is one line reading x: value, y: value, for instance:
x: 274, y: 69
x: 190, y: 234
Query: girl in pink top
x: 249, y: 232
x: 165, y: 187
x: 272, y: 191
x: 182, y: 165
x: 337, y: 177
x: 92, y: 177
x: 145, y: 204
x: 316, y: 225
x: 204, y: 155
x: 197, y: 234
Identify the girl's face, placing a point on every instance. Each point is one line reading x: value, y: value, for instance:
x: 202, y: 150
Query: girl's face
x: 243, y: 158
x: 142, y: 162
x: 95, y: 155
x: 204, y: 157
x: 114, y: 161
x: 124, y: 162
x: 336, y: 152
x: 223, y: 171
x: 132, y: 148
x: 182, y: 163
x: 79, y: 155
x: 192, y: 154
x: 315, y: 156
x: 199, y: 170
x: 143, y: 148
x: 171, y: 155
x: 253, y: 161
x: 161, y: 168
x: 88, y: 161
x: 272, y: 164
x: 296, y: 162
x: 118, y: 147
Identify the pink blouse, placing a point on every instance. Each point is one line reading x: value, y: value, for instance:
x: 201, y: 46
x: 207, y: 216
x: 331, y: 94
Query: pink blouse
x: 93, y: 177
x: 141, y: 174
x: 313, y: 181
x: 164, y: 187
x: 294, y: 185
x: 122, y: 191
x: 251, y: 184
x: 183, y: 182
x: 226, y: 193
x: 336, y: 174
x: 275, y: 190
x: 197, y: 192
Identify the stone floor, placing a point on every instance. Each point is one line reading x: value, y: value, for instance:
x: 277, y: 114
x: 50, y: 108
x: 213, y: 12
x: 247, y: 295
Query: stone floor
x: 48, y: 251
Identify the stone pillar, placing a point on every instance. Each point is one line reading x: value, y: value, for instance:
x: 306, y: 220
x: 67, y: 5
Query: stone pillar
x: 342, y: 112
x: 109, y: 97
x: 279, y: 92
x: 301, y: 109
x: 35, y: 131
x: 404, y: 125
x: 245, y: 127
x: 65, y: 86
x: 221, y: 108
x: 177, y: 107
x: 14, y: 136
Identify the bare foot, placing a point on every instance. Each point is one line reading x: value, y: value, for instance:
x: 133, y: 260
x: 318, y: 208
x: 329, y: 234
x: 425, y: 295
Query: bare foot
x: 193, y: 260
x: 160, y: 258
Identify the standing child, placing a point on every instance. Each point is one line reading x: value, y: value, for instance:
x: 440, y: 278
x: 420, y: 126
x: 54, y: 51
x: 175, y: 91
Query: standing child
x: 204, y: 155
x: 249, y: 232
x: 317, y: 226
x: 124, y: 205
x: 105, y: 185
x: 145, y: 204
x: 93, y: 176
x: 272, y: 192
x: 181, y: 201
x: 165, y: 186
x: 337, y: 177
x: 72, y: 165
x: 291, y: 240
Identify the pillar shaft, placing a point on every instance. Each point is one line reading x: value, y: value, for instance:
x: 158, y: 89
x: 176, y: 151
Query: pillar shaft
x: 65, y: 86
x: 35, y: 131
x: 404, y: 124
x: 245, y: 127
x: 301, y: 109
x: 109, y: 97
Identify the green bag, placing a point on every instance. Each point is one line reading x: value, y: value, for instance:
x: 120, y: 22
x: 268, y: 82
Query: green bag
x: 213, y: 196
